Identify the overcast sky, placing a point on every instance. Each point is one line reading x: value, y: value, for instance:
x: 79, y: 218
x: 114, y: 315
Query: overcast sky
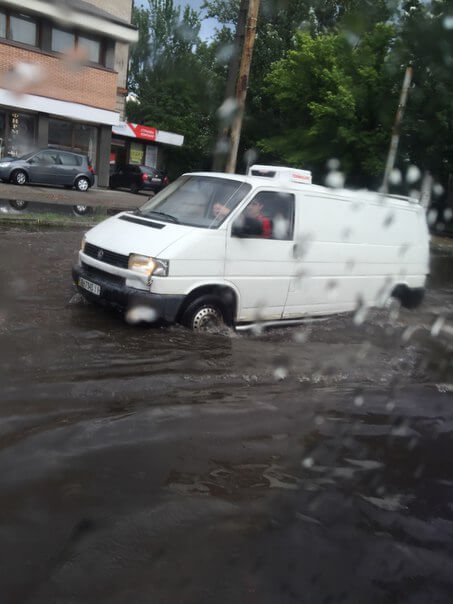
x: 207, y: 25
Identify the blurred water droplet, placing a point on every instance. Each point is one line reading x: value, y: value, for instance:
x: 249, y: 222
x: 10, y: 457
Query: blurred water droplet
x: 250, y: 157
x: 335, y: 180
x: 404, y: 248
x: 350, y: 264
x: 440, y: 226
x: 448, y: 22
x: 413, y: 174
x: 225, y: 53
x: 388, y: 220
x: 408, y: 333
x: 319, y: 420
x: 141, y: 314
x: 280, y: 227
x: 352, y: 38
x: 280, y: 373
x: 308, y: 462
x: 395, y: 178
x: 448, y: 214
x: 228, y: 111
x: 361, y: 311
x: 437, y: 326
x: 358, y: 401
x: 415, y: 194
x: 346, y: 233
x: 390, y: 406
x: 438, y: 189
x: 301, y: 336
x: 333, y: 164
x: 431, y: 216
x: 302, y: 245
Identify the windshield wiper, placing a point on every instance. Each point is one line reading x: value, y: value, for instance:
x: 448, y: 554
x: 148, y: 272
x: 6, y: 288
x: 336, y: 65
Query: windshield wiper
x: 168, y: 217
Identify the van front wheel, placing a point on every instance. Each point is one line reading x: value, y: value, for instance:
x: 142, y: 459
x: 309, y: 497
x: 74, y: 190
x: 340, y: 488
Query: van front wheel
x: 205, y: 314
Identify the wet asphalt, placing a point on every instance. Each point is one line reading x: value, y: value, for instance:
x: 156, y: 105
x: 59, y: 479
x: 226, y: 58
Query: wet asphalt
x: 142, y: 465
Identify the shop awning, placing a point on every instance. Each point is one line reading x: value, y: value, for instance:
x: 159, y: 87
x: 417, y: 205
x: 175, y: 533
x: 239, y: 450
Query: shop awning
x: 147, y: 133
x: 75, y: 111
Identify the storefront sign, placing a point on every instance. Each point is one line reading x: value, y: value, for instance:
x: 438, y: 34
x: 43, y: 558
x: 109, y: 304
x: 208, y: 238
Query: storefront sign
x: 135, y: 131
x: 147, y: 133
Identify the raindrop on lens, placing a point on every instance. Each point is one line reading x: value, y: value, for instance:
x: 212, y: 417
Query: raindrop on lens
x: 412, y: 175
x: 280, y: 373
x: 437, y: 326
x: 448, y: 214
x: 395, y: 177
x: 308, y: 462
x: 335, y: 180
x: 432, y: 217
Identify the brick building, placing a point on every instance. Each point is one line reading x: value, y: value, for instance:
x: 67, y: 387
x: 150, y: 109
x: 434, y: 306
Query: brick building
x: 63, y: 75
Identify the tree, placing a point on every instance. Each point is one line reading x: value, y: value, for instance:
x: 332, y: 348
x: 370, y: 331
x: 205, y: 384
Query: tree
x: 176, y: 81
x: 332, y: 101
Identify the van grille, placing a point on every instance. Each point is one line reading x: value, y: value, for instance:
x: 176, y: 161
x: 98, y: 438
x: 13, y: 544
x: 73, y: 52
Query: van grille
x: 98, y: 275
x: 106, y: 256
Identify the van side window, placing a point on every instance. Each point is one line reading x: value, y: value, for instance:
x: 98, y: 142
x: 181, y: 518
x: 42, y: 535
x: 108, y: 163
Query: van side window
x: 269, y: 215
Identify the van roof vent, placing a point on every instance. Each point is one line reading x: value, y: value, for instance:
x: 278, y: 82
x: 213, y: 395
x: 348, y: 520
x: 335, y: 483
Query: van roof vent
x: 282, y: 174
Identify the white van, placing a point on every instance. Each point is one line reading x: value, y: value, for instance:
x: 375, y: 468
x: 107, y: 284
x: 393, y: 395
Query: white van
x: 268, y: 246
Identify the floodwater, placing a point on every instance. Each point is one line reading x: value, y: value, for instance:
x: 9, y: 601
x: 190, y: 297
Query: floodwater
x: 308, y: 465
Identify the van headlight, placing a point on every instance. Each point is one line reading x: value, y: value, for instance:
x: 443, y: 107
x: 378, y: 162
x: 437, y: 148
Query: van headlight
x: 148, y: 266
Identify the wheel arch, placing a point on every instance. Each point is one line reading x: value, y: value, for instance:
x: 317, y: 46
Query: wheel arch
x: 19, y: 169
x: 225, y: 292
x: 409, y: 297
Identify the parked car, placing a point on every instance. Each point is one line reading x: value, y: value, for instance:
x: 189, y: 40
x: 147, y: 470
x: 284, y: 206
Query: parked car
x: 138, y: 178
x: 49, y: 167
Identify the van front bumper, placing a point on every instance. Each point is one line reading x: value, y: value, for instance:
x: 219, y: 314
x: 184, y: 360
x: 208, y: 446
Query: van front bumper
x: 114, y: 293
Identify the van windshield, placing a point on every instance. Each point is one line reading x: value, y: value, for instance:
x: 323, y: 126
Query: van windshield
x: 200, y: 201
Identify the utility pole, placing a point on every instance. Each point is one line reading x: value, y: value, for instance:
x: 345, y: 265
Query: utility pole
x: 230, y: 90
x: 397, y: 129
x: 242, y: 82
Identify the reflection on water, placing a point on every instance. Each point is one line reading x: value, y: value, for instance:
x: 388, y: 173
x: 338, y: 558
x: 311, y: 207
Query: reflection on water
x: 147, y: 465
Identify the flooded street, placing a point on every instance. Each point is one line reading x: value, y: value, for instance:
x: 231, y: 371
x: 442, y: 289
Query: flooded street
x: 308, y: 464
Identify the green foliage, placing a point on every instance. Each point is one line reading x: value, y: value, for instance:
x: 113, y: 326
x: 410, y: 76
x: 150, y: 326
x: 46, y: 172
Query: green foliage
x: 325, y: 81
x: 329, y: 97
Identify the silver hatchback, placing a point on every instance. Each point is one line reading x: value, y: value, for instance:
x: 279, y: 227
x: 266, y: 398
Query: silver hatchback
x: 49, y: 167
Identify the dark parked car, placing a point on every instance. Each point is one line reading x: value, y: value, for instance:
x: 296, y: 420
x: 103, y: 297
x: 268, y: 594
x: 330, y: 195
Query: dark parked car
x: 137, y: 178
x: 50, y: 167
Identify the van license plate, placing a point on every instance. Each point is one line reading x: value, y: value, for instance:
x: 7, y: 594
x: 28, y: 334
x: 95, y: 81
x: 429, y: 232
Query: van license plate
x: 90, y: 287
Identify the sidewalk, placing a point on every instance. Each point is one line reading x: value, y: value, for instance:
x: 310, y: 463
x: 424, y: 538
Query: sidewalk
x: 95, y: 198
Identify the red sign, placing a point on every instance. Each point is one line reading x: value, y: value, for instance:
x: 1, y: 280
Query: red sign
x: 143, y: 132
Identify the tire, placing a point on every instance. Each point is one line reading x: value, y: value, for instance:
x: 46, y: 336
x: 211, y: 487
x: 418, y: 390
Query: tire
x: 409, y: 297
x: 19, y: 177
x: 81, y: 210
x: 206, y: 313
x: 18, y: 204
x: 82, y: 184
x: 134, y: 188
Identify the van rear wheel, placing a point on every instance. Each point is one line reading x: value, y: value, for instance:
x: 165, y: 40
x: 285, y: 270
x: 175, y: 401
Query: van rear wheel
x: 205, y: 314
x: 410, y: 297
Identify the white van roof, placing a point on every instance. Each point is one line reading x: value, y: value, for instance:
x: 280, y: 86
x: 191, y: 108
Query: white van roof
x: 287, y: 177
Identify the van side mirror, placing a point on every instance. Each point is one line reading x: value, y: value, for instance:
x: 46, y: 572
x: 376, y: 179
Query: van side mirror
x: 245, y: 226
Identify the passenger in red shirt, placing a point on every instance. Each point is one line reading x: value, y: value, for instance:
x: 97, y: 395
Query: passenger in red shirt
x: 255, y: 211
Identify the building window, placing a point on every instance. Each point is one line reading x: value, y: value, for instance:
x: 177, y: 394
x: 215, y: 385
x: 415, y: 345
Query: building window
x: 62, y: 41
x: 2, y: 25
x: 21, y: 135
x: 70, y: 136
x: 23, y: 29
x: 91, y: 47
x: 65, y: 41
